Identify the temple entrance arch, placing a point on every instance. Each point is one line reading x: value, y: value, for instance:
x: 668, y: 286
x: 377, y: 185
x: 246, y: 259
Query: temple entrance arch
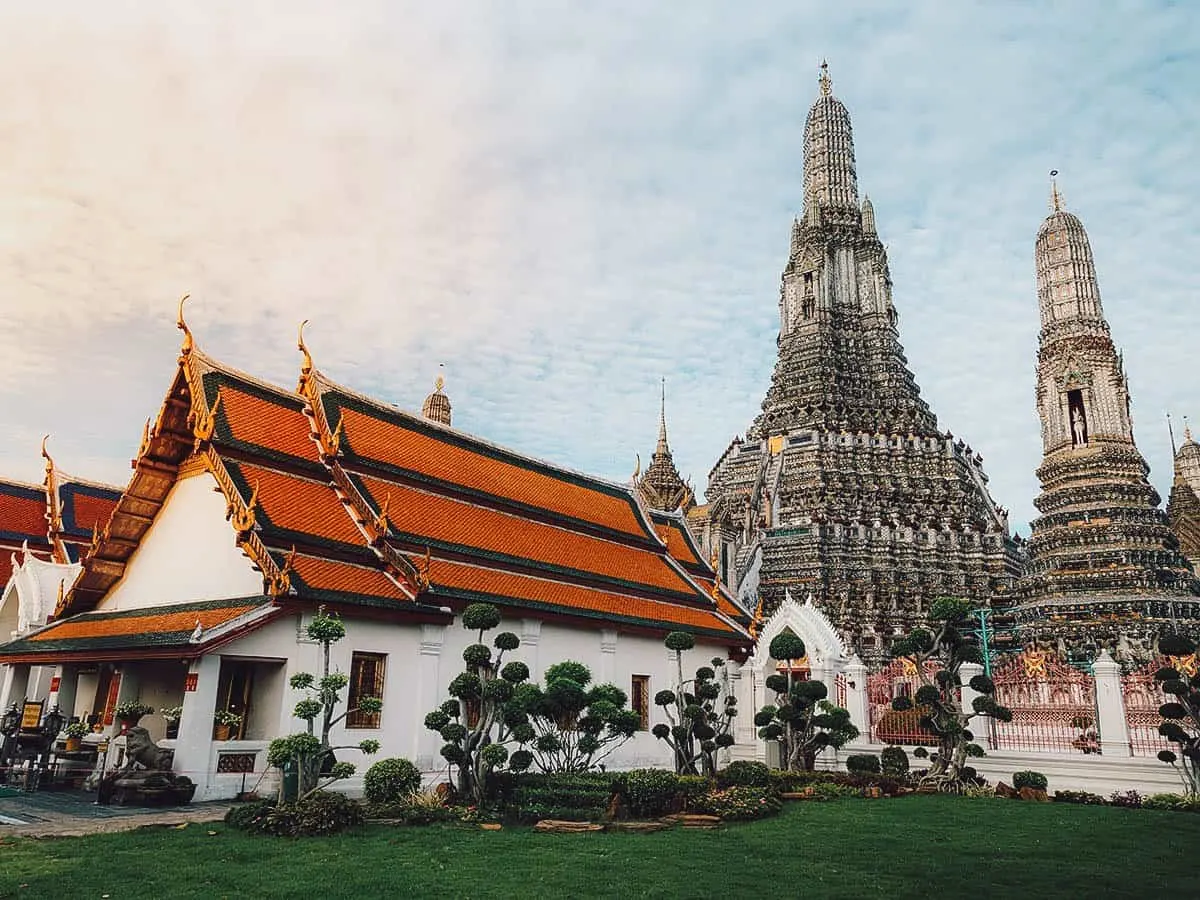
x: 826, y: 661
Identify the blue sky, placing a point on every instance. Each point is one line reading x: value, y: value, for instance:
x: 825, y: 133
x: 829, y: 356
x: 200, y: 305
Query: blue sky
x: 563, y: 203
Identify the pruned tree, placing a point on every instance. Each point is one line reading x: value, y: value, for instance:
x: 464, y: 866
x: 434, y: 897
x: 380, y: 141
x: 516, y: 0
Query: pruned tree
x: 939, y: 697
x: 701, y: 711
x: 800, y: 719
x: 480, y: 723
x: 313, y: 755
x: 576, y: 726
x: 1181, y: 715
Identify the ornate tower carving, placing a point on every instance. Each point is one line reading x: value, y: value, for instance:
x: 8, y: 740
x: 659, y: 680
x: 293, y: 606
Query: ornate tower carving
x: 1103, y: 559
x: 661, y: 486
x: 844, y: 488
x: 436, y: 407
x: 1183, y: 508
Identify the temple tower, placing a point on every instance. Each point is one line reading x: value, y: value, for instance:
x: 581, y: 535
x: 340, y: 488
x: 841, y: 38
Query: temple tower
x: 844, y: 488
x: 1183, y: 507
x: 661, y: 486
x: 1104, y: 563
x: 436, y: 407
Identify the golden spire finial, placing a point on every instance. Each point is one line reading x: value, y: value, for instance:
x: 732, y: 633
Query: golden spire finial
x: 307, y: 367
x: 1055, y: 196
x: 824, y: 80
x: 440, y: 381
x: 188, y: 341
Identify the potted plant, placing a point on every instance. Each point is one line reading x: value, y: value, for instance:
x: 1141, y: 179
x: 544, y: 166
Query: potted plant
x: 129, y: 712
x: 225, y: 721
x: 172, y: 715
x: 73, y: 734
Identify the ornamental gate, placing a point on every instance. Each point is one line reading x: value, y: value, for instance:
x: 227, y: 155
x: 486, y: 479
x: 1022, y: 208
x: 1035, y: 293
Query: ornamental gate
x: 898, y: 679
x: 1053, y: 705
x: 1143, y: 696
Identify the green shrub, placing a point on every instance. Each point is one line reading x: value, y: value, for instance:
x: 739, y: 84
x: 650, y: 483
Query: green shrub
x: 1028, y: 779
x: 320, y: 813
x: 824, y: 791
x: 249, y: 816
x: 421, y: 808
x: 1177, y: 802
x: 1082, y: 797
x: 744, y: 773
x: 650, y: 793
x: 893, y: 762
x: 1127, y: 799
x: 391, y: 780
x: 738, y: 803
x: 863, y: 764
x: 691, y: 788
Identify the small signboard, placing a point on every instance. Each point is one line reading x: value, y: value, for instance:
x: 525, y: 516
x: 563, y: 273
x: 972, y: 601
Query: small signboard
x: 31, y: 715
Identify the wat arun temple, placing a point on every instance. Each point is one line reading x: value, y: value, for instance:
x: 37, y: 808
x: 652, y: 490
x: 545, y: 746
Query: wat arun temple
x: 845, y: 492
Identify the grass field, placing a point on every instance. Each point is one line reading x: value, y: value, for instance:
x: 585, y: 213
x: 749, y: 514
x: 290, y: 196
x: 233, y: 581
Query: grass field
x: 909, y: 847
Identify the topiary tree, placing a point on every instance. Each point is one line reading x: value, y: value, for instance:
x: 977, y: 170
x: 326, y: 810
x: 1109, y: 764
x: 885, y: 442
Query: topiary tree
x: 313, y: 756
x: 801, y: 719
x: 1181, y: 715
x: 391, y: 780
x: 481, y: 721
x: 894, y: 762
x: 576, y: 727
x: 701, y: 711
x: 938, y: 698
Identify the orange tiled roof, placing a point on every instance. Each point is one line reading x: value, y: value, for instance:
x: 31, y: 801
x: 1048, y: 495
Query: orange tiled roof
x: 677, y: 543
x: 271, y: 423
x: 340, y: 577
x: 157, y: 621
x: 434, y: 517
x: 453, y: 577
x: 481, y: 468
x: 91, y: 511
x: 297, y: 504
x: 23, y: 512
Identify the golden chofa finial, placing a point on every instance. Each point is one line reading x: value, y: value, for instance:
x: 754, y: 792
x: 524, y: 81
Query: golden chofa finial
x: 824, y: 80
x: 307, y: 366
x: 1055, y: 196
x: 188, y: 341
x: 46, y: 453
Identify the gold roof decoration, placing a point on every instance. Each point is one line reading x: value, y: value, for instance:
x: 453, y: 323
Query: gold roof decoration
x: 279, y: 583
x: 243, y: 517
x: 189, y: 342
x: 304, y: 385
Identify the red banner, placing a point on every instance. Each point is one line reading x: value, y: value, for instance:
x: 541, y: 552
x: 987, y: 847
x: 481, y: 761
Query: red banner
x: 110, y: 702
x: 54, y: 683
x: 189, y: 682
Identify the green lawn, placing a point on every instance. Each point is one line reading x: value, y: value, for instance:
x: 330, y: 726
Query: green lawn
x: 908, y: 847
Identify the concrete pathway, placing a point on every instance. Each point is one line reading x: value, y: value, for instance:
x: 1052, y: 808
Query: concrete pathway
x: 72, y: 814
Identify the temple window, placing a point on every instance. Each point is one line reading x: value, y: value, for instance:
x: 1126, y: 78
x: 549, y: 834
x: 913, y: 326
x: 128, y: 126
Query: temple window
x: 639, y: 700
x: 366, y: 680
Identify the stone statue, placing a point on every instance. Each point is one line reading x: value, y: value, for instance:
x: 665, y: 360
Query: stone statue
x: 146, y: 778
x: 1077, y: 428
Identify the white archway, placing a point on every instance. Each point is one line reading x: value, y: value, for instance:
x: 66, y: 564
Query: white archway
x: 827, y: 659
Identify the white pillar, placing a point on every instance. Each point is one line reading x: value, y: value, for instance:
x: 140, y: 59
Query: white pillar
x: 760, y: 699
x: 608, y: 657
x: 531, y: 634
x: 1110, y: 707
x: 981, y: 726
x: 64, y: 696
x: 856, y: 696
x: 429, y: 687
x: 14, y: 683
x: 193, y: 747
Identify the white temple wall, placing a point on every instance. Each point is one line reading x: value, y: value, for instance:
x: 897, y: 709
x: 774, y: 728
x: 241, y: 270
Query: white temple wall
x: 188, y: 554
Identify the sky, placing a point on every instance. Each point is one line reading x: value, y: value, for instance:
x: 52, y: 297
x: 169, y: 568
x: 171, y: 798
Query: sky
x: 564, y: 203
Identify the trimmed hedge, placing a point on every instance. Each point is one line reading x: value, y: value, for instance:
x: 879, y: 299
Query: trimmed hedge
x: 391, y: 780
x: 894, y: 762
x: 321, y: 813
x: 1035, y: 780
x: 738, y: 803
x: 745, y: 773
x: 863, y: 764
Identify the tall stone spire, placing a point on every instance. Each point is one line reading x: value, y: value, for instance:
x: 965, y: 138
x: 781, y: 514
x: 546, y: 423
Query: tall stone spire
x: 830, y: 181
x: 845, y: 489
x: 1103, y: 559
x: 661, y: 486
x: 1183, y: 508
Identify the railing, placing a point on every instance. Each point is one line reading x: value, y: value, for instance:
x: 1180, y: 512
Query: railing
x: 1053, y: 705
x: 887, y: 725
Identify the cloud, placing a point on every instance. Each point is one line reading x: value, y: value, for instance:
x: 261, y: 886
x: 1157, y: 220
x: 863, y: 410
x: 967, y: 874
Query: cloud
x: 563, y: 205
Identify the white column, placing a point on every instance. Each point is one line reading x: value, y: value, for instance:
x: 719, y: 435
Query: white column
x: 193, y: 747
x: 429, y: 694
x: 1110, y: 707
x: 64, y: 697
x: 760, y: 699
x: 531, y: 634
x: 856, y: 696
x: 733, y: 671
x: 14, y: 682
x: 981, y: 726
x: 608, y: 657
